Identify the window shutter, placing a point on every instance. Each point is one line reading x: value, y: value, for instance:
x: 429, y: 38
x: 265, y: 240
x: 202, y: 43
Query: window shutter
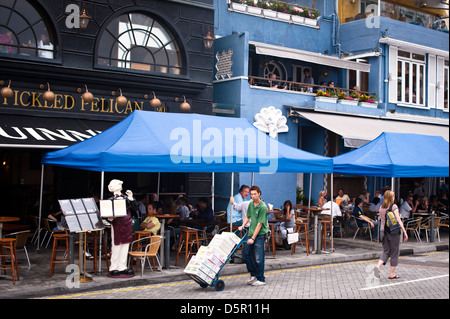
x: 393, y: 74
x: 440, y: 83
x: 431, y: 81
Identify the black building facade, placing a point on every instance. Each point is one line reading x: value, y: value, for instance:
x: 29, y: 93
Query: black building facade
x: 141, y: 49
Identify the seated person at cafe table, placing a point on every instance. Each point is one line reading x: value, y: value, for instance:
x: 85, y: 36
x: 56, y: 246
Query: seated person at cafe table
x: 151, y: 223
x: 344, y: 199
x: 204, y: 213
x: 287, y: 219
x: 407, y: 208
x: 363, y: 220
x: 423, y: 206
x: 182, y: 208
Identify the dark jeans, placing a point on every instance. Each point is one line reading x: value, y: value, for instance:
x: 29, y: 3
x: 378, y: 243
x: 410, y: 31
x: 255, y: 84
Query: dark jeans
x: 254, y: 256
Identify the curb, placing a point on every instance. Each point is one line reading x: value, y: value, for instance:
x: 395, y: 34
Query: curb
x: 232, y: 269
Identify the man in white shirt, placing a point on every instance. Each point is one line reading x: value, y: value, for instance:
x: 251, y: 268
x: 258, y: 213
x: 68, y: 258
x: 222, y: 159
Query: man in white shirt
x: 407, y: 207
x: 336, y: 209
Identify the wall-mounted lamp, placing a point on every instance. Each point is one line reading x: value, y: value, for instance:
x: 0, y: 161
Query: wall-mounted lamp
x: 184, y: 106
x: 84, y: 18
x: 121, y: 100
x: 49, y: 96
x: 208, y: 41
x: 352, y: 1
x: 87, y: 96
x: 155, y: 102
x: 7, y: 92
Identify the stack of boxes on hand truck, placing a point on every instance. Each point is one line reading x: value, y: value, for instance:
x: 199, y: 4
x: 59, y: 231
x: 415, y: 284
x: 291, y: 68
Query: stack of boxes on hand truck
x: 205, y: 266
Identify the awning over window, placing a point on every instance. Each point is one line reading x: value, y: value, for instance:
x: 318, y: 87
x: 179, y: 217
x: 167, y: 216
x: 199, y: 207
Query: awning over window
x: 312, y: 57
x: 18, y: 131
x: 358, y: 131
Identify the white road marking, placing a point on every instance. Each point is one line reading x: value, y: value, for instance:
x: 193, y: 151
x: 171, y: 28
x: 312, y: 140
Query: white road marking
x: 404, y: 282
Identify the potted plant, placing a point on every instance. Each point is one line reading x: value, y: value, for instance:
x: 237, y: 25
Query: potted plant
x: 311, y: 17
x: 325, y: 97
x: 347, y: 100
x: 296, y: 13
x: 368, y: 101
x: 267, y: 8
x: 283, y: 11
x: 239, y: 5
x: 253, y: 6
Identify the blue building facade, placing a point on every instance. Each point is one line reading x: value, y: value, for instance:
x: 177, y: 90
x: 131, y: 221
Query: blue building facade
x: 262, y: 60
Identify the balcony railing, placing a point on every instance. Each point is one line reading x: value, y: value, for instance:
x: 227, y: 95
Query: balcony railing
x: 422, y: 17
x: 277, y: 10
x: 301, y: 87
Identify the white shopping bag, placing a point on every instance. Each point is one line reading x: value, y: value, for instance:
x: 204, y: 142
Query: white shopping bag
x: 292, y: 238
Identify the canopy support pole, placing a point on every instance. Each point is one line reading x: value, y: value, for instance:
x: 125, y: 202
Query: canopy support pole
x: 102, y: 186
x: 212, y: 190
x: 157, y: 191
x: 316, y: 218
x: 332, y: 237
x: 40, y: 207
x: 231, y: 210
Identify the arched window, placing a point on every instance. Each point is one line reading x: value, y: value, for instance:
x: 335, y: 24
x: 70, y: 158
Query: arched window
x: 25, y: 30
x: 140, y: 42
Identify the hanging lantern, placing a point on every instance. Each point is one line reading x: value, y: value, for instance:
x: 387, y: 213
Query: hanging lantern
x: 185, y: 106
x: 7, y: 92
x: 155, y: 102
x: 87, y: 96
x: 121, y: 100
x: 84, y: 19
x: 49, y: 96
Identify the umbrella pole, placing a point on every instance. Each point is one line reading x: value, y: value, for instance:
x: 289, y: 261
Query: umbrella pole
x: 332, y: 238
x: 40, y: 207
x: 212, y: 190
x: 102, y: 186
x: 231, y: 210
x: 157, y: 191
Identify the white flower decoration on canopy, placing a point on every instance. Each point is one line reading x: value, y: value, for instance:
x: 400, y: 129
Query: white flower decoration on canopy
x: 270, y: 120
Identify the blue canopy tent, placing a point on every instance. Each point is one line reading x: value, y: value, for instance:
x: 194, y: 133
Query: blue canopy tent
x: 171, y: 142
x: 397, y: 155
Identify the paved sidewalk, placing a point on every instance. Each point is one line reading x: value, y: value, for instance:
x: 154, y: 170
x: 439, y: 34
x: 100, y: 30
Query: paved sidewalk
x: 35, y: 282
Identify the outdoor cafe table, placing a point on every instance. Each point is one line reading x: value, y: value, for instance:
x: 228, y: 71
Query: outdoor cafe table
x: 6, y: 219
x: 163, y: 251
x: 316, y: 212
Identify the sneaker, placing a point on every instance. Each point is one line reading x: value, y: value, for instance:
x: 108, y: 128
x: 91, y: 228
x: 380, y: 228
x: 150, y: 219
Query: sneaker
x: 258, y: 283
x: 251, y: 280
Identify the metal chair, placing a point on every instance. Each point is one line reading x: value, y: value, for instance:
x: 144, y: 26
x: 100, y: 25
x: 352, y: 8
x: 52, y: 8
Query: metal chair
x: 427, y: 226
x: 21, y: 241
x: 413, y: 225
x: 366, y: 228
x: 37, y: 231
x: 151, y: 250
x: 49, y: 230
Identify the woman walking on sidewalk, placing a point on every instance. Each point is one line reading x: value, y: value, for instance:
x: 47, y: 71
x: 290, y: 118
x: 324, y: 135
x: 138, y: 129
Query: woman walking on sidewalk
x: 390, y: 240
